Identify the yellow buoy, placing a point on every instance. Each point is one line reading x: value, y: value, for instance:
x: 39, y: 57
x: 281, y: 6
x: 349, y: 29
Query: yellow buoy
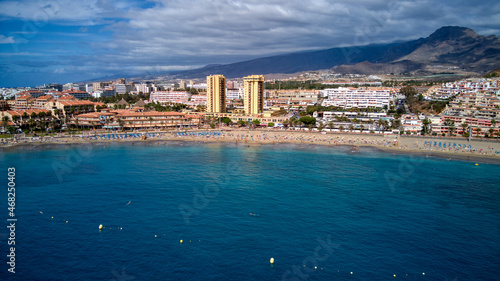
x: 100, y: 227
x: 181, y: 241
x: 271, y: 260
x: 52, y: 217
x: 121, y: 228
x: 351, y: 272
x: 66, y: 221
x: 477, y: 164
x: 394, y: 275
x: 155, y: 236
x: 423, y: 273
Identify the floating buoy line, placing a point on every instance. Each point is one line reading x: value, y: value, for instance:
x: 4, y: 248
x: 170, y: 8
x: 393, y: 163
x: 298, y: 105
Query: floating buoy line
x: 101, y: 228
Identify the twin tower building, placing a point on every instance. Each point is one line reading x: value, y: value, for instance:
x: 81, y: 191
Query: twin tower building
x: 253, y: 100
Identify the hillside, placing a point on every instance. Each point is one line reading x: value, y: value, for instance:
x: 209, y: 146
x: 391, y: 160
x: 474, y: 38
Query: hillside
x: 451, y: 46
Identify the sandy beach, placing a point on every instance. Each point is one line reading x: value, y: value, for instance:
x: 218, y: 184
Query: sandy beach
x: 450, y: 148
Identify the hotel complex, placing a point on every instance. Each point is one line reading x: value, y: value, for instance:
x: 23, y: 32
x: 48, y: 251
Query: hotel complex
x: 360, y: 98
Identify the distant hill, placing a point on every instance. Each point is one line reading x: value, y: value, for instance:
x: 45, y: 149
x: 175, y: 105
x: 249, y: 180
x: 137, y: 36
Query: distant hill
x: 450, y: 46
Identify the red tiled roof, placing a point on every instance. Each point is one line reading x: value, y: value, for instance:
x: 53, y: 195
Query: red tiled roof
x: 75, y: 102
x: 46, y: 97
x: 29, y: 111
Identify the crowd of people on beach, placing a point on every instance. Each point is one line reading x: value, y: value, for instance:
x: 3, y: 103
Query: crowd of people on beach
x: 269, y: 137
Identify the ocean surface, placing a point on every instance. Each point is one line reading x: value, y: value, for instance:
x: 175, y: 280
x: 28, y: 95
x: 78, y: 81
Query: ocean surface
x: 322, y: 213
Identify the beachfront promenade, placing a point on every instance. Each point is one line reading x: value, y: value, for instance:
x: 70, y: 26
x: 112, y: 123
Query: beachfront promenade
x: 450, y: 146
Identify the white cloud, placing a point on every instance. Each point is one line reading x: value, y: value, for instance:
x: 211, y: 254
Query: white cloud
x: 181, y: 34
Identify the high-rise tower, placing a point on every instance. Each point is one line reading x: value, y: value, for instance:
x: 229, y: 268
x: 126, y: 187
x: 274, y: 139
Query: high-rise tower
x: 254, y: 94
x: 216, y: 93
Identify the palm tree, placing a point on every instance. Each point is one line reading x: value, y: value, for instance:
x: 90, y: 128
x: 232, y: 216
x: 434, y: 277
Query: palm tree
x: 426, y: 122
x: 286, y: 123
x: 120, y: 123
x: 31, y: 124
x: 15, y: 118
x: 5, y: 122
x: 361, y: 128
x: 341, y: 128
x: 451, y: 129
x: 464, y: 127
x: 330, y: 125
x: 76, y: 123
x: 150, y: 119
x: 351, y: 127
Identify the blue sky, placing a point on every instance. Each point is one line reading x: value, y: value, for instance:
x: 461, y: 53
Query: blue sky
x: 56, y: 41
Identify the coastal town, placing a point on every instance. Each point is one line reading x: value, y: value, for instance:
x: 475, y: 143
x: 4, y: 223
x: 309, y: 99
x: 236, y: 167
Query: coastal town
x: 250, y: 140
x: 463, y: 110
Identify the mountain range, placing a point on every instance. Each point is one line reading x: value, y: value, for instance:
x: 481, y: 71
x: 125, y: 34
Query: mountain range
x: 449, y: 48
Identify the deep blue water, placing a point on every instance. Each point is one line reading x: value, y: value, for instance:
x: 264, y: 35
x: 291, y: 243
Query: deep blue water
x: 369, y: 213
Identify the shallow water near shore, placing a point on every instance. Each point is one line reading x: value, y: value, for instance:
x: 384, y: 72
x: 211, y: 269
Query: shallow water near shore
x: 235, y: 206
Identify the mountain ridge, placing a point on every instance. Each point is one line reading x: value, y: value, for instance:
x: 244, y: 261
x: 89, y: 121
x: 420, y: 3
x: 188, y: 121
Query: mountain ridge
x: 449, y: 45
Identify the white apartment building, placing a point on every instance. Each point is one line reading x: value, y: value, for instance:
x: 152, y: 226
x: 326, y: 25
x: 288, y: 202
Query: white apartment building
x: 360, y: 98
x: 170, y: 96
x: 199, y: 100
x: 234, y: 94
x: 145, y: 88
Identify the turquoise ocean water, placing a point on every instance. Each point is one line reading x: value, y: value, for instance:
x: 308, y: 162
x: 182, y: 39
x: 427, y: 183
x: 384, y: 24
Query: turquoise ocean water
x: 320, y: 212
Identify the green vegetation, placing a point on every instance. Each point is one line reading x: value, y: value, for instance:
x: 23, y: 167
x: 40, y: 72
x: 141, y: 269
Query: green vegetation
x: 308, y: 120
x: 226, y: 120
x: 256, y: 122
x: 312, y: 108
x: 492, y: 74
x: 416, y: 102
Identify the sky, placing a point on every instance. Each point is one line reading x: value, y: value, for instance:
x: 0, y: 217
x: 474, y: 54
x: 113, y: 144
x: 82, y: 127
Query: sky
x: 59, y: 41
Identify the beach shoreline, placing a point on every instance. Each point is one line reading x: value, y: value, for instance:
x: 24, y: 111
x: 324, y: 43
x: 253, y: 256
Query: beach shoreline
x: 483, y: 152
